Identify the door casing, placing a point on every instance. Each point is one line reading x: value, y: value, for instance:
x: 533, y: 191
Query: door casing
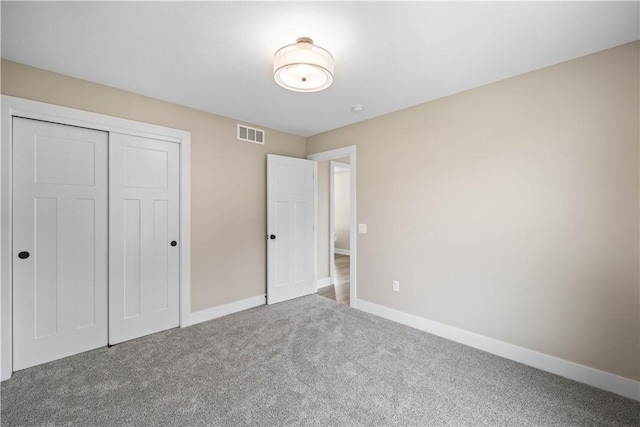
x: 18, y: 107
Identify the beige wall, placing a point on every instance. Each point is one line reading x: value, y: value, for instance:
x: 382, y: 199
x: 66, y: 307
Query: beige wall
x: 323, y: 219
x: 511, y: 210
x: 341, y: 208
x: 228, y: 184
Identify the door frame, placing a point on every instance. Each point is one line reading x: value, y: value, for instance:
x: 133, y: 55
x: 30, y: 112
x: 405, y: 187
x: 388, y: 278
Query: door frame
x: 13, y: 106
x: 333, y: 167
x: 349, y: 151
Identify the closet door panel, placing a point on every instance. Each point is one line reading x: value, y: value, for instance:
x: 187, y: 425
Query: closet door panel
x: 59, y: 241
x: 144, y: 236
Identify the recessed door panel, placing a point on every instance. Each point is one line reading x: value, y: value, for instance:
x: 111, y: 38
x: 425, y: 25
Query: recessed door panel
x: 161, y: 247
x: 84, y: 245
x: 59, y: 241
x: 132, y: 258
x: 64, y: 161
x: 145, y: 167
x: 303, y: 220
x: 45, y: 262
x: 281, y: 246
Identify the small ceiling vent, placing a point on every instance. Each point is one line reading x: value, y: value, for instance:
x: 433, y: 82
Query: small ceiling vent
x: 245, y: 133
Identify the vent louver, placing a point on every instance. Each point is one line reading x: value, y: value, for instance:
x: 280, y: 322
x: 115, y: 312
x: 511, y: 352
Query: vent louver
x: 246, y: 133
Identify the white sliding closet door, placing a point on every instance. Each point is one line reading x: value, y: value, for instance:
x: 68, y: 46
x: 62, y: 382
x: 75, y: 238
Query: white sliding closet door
x: 59, y: 241
x: 144, y: 221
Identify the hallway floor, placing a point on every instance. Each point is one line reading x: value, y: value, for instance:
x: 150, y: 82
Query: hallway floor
x: 340, y: 291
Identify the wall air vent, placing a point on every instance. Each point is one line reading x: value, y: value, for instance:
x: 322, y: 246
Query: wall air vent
x: 245, y: 133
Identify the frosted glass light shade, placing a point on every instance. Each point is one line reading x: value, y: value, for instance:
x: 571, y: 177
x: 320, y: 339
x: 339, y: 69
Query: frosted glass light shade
x: 303, y: 67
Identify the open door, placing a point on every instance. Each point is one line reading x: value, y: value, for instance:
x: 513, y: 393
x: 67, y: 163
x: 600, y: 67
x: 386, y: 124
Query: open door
x: 291, y: 210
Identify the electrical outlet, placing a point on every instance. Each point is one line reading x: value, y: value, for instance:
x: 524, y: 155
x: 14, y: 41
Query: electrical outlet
x: 396, y: 286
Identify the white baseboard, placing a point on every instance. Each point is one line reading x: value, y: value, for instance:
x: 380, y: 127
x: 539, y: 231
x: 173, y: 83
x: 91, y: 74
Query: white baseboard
x: 324, y: 282
x: 223, y: 310
x: 342, y: 251
x: 584, y: 374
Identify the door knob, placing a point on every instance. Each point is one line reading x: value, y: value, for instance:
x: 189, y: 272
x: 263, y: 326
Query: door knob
x: 173, y: 243
x: 23, y: 255
x: 272, y: 237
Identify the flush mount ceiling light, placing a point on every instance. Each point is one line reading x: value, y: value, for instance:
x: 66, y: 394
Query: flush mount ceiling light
x: 303, y: 67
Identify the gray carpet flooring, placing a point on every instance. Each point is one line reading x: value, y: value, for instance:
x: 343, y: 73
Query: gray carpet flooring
x: 309, y: 361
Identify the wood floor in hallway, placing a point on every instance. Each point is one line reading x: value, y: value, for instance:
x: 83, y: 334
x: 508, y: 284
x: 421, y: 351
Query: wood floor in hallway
x: 340, y: 290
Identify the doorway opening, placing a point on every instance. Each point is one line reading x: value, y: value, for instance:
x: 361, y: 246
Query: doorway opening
x: 336, y: 231
x: 339, y: 206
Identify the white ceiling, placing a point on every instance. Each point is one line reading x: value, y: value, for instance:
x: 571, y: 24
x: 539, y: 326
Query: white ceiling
x: 217, y: 56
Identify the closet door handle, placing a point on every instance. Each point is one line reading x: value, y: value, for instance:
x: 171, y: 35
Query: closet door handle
x: 173, y: 243
x: 23, y: 255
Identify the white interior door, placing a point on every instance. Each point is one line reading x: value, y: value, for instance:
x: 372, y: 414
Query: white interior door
x: 291, y: 248
x: 59, y: 241
x: 144, y: 219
